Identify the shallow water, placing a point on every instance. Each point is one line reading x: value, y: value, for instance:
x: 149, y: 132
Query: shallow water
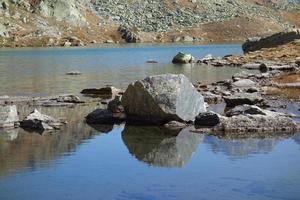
x: 134, y: 162
x: 41, y: 72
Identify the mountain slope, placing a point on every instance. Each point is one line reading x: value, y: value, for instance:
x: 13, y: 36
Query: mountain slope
x: 57, y: 22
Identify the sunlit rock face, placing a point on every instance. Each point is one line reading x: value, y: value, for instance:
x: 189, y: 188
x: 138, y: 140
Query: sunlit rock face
x: 162, y: 98
x: 160, y: 147
x: 242, y: 147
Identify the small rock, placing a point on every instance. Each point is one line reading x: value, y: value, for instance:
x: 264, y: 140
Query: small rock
x: 40, y: 122
x: 207, y: 119
x: 102, y: 116
x: 243, y: 98
x: 182, y: 58
x: 74, y: 73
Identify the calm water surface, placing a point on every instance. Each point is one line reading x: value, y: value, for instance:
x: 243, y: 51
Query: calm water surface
x: 130, y: 162
x: 41, y: 72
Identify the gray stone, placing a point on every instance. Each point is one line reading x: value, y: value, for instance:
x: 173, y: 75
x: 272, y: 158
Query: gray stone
x: 244, y: 83
x: 8, y: 116
x: 40, y: 122
x: 245, y: 109
x: 182, y: 58
x: 162, y: 98
x: 247, y: 124
x: 72, y: 73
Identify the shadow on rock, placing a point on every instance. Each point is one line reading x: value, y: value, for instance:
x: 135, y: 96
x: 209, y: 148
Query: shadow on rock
x: 161, y: 147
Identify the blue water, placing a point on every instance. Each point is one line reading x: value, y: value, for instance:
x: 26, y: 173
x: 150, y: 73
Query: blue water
x: 126, y: 162
x: 103, y: 168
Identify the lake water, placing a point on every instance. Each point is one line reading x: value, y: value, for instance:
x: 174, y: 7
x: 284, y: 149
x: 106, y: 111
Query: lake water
x: 41, y: 72
x: 124, y: 162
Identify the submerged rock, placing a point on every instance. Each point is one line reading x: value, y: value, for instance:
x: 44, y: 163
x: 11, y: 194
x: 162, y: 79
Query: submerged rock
x: 8, y: 116
x: 182, y: 58
x: 162, y: 98
x: 40, y: 122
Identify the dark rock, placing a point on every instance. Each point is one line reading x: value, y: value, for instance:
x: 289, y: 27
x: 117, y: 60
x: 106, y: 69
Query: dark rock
x: 115, y: 105
x: 243, y: 98
x: 73, y: 73
x: 37, y: 121
x: 182, y: 58
x: 102, y: 116
x: 128, y: 35
x: 207, y: 119
x: 162, y: 98
x: 106, y: 91
x: 8, y: 116
x: 252, y: 90
x: 274, y: 40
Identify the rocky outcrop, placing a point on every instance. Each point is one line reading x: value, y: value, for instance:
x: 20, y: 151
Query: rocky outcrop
x: 63, y: 10
x: 36, y: 121
x: 8, y: 116
x: 162, y: 98
x: 182, y: 58
x: 106, y: 91
x: 277, y: 39
x: 247, y: 120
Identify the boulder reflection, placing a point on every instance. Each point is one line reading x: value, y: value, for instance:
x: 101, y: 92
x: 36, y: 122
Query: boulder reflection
x: 242, y: 147
x: 160, y: 147
x: 21, y: 150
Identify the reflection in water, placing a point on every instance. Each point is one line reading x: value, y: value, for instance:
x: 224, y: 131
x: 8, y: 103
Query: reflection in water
x: 242, y: 147
x: 160, y: 147
x: 296, y: 138
x: 22, y: 150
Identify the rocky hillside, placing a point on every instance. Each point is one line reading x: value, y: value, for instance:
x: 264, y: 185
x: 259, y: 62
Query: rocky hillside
x: 62, y: 22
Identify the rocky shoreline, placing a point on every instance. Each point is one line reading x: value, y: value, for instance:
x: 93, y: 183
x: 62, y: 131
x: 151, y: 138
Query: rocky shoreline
x: 172, y: 101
